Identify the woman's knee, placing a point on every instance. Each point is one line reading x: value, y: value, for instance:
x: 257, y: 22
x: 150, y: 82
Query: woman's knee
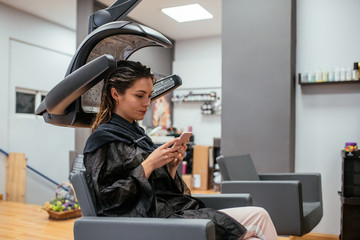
x: 261, y: 212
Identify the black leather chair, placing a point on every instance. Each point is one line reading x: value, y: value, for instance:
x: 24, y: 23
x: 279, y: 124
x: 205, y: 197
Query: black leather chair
x: 91, y: 227
x: 293, y: 200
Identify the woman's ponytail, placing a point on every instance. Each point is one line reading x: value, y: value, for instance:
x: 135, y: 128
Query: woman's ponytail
x: 106, y: 108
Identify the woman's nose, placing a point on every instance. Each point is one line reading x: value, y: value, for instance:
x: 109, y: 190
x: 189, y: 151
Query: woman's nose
x: 147, y: 102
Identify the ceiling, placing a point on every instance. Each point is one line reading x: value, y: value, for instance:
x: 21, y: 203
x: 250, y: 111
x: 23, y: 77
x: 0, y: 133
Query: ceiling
x: 148, y: 12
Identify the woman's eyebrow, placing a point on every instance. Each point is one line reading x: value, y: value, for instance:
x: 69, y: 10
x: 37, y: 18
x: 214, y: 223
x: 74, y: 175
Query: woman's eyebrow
x: 143, y: 91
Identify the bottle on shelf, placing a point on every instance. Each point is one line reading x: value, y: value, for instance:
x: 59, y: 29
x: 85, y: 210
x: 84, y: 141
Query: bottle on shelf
x: 348, y: 74
x: 304, y: 77
x: 319, y: 76
x: 337, y: 74
x: 217, y: 107
x: 325, y: 76
x: 311, y: 77
x: 331, y: 75
x: 342, y: 74
x: 207, y: 108
x: 355, y: 71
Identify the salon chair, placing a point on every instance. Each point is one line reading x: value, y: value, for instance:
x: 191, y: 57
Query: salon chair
x: 293, y: 200
x: 91, y: 227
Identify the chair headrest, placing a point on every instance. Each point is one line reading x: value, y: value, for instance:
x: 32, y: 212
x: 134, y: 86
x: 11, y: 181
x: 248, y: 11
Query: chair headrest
x: 237, y: 168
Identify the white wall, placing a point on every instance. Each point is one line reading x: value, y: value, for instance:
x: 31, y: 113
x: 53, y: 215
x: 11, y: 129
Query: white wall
x: 34, y: 55
x: 326, y: 116
x: 198, y: 63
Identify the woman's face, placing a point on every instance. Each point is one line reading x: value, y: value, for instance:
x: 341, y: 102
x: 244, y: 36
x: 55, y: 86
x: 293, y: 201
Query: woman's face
x: 134, y: 103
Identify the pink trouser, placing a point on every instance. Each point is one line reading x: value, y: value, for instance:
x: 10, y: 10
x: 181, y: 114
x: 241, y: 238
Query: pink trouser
x: 256, y: 220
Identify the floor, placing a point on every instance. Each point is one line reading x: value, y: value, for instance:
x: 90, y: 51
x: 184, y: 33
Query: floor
x: 27, y: 222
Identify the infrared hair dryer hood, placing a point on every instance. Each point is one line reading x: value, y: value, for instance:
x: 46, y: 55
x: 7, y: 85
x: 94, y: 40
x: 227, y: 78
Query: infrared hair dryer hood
x: 75, y: 100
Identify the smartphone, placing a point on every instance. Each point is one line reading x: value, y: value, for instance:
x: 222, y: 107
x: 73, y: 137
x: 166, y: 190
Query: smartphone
x: 184, y: 138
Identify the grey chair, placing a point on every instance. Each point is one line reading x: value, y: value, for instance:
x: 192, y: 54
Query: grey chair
x: 91, y: 227
x: 293, y: 200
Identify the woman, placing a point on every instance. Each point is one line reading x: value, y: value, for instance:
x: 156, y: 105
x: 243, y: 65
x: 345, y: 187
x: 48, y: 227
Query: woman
x: 131, y: 177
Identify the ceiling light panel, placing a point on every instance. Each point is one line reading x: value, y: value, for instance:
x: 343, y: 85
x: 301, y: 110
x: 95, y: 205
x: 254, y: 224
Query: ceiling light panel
x: 186, y: 13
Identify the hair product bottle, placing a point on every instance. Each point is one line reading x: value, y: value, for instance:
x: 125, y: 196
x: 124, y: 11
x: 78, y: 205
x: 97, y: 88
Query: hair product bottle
x: 355, y: 72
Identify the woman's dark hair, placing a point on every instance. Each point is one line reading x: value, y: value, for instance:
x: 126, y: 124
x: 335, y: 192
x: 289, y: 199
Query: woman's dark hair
x: 126, y: 74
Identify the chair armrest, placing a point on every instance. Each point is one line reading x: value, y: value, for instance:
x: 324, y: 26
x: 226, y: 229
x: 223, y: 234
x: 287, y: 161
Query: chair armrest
x: 221, y: 201
x: 125, y: 228
x: 281, y: 199
x: 311, y: 183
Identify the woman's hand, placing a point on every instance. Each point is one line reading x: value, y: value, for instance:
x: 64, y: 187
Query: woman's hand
x: 160, y: 157
x: 173, y: 165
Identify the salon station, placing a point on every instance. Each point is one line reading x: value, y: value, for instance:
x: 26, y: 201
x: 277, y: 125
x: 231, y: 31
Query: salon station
x: 263, y: 93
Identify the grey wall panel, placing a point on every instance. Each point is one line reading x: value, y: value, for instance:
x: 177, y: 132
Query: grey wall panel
x: 258, y: 82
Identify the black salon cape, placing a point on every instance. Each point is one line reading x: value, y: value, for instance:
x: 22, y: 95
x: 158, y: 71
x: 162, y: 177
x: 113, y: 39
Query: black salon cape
x: 112, y: 157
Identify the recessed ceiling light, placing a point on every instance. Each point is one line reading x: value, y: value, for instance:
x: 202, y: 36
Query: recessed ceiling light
x: 187, y: 13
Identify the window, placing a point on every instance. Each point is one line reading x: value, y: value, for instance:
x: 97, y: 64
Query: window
x: 28, y: 100
x: 25, y: 102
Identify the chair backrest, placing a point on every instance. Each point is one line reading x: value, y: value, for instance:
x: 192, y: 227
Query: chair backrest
x: 83, y: 194
x: 237, y: 168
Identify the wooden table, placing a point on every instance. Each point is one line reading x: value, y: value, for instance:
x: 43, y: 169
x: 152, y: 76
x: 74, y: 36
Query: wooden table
x: 27, y: 222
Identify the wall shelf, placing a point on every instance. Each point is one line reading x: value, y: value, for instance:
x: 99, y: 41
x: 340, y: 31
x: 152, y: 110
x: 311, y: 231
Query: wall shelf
x: 328, y: 82
x: 210, y: 102
x: 198, y: 97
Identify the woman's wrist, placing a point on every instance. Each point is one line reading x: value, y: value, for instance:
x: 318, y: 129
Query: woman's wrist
x: 172, y: 171
x: 148, y: 168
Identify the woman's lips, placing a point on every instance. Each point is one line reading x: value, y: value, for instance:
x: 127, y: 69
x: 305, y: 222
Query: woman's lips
x: 143, y: 112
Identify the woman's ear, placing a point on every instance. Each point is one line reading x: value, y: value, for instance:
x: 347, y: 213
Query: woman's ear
x: 115, y: 94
